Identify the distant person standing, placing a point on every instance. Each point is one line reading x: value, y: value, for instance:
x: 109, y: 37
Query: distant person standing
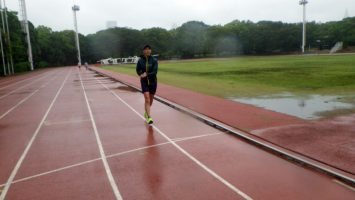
x: 147, y: 69
x: 86, y: 65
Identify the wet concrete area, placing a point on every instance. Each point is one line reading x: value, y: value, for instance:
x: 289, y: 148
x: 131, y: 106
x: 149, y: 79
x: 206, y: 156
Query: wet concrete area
x: 309, y: 107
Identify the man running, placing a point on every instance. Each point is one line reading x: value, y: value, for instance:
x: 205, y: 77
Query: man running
x: 147, y: 69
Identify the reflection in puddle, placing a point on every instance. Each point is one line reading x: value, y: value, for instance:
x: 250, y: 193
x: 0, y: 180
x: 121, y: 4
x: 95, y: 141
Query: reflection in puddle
x: 306, y: 107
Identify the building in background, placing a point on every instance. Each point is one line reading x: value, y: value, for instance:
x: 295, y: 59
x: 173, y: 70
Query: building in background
x: 111, y: 24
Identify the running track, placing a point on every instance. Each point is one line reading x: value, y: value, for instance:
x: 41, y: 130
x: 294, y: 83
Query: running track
x: 71, y: 134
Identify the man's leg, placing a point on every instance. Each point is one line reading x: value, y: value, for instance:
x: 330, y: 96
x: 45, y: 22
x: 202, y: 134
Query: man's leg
x: 151, y: 98
x: 147, y: 102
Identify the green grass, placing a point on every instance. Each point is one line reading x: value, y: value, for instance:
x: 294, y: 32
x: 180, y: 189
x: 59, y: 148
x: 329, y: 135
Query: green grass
x: 255, y: 76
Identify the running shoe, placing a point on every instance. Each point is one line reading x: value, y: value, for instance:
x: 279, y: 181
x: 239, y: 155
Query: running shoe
x: 150, y: 120
x: 146, y: 115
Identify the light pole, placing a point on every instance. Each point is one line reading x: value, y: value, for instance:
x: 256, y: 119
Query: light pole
x: 303, y: 3
x: 27, y: 31
x: 9, y: 40
x: 76, y: 8
x: 1, y: 43
x: 6, y: 53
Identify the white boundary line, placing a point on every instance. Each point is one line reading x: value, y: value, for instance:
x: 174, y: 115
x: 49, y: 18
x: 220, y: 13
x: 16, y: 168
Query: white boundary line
x: 102, y: 153
x: 18, y: 104
x: 138, y: 149
x: 21, y: 81
x: 25, y: 99
x: 344, y: 185
x: 30, y: 83
x: 56, y: 170
x: 49, y: 123
x: 194, y: 137
x: 19, y: 162
x: 108, y: 156
x: 211, y: 172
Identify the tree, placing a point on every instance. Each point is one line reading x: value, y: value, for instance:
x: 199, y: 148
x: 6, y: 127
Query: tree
x: 160, y: 39
x: 190, y: 39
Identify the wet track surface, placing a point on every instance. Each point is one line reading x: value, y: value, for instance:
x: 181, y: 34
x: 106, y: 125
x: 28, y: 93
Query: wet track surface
x: 70, y: 134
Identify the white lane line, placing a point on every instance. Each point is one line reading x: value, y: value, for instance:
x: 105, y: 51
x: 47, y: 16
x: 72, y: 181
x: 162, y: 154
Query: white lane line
x: 30, y: 83
x: 74, y: 121
x: 21, y: 81
x: 19, y: 162
x: 108, y: 156
x: 102, y: 153
x: 57, y: 170
x: 344, y: 185
x: 194, y: 137
x: 53, y: 171
x: 211, y: 172
x: 18, y: 104
x: 138, y: 149
x: 25, y: 99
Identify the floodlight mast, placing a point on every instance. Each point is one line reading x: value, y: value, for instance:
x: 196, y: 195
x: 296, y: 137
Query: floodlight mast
x: 6, y: 53
x: 1, y: 42
x: 76, y: 8
x: 11, y: 67
x: 27, y: 31
x: 303, y: 3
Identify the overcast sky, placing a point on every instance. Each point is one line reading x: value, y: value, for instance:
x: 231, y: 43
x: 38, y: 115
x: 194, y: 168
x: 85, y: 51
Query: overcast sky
x: 140, y: 14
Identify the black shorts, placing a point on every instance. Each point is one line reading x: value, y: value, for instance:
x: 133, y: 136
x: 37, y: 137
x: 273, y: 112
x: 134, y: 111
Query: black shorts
x: 151, y: 87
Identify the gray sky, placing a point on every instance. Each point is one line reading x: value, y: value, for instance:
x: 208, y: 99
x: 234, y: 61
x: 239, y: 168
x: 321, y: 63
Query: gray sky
x: 141, y: 14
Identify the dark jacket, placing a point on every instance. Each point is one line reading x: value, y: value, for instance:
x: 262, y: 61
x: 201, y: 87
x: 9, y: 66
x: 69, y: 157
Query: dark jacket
x: 151, y: 67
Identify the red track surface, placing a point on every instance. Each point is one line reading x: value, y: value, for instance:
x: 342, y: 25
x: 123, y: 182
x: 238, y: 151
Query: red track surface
x: 53, y: 145
x: 329, y: 143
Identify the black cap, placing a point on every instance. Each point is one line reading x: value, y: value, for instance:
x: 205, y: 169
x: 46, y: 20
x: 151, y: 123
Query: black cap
x: 147, y: 47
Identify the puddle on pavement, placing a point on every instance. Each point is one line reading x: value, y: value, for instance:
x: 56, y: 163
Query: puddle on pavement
x: 305, y: 107
x: 126, y: 88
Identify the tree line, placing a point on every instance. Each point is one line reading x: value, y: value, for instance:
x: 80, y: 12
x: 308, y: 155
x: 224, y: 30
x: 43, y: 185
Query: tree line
x: 192, y: 39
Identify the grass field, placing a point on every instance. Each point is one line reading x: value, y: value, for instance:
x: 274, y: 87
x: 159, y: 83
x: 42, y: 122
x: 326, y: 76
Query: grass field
x: 255, y: 76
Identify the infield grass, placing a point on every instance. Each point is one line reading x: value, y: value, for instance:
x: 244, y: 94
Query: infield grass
x: 252, y: 76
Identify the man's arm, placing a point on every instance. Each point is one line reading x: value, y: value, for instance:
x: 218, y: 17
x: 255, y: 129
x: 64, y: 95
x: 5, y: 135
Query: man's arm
x: 155, y: 68
x: 139, y: 68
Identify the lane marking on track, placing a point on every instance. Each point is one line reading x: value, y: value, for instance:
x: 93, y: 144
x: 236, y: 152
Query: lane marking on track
x: 57, y: 170
x: 210, y: 171
x: 74, y: 121
x: 30, y: 83
x: 138, y: 149
x: 18, y: 104
x: 344, y: 185
x: 19, y: 162
x: 102, y: 153
x: 108, y: 156
x: 195, y: 137
x: 25, y: 99
x: 21, y: 81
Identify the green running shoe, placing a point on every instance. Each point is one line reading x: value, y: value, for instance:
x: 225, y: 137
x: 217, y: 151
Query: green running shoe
x: 146, y: 115
x: 150, y: 120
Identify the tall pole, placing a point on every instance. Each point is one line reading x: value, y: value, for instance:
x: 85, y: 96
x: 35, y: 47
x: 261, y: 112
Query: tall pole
x: 303, y: 3
x: 9, y: 39
x: 1, y: 42
x: 2, y: 52
x: 27, y: 31
x: 4, y: 33
x: 75, y: 9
